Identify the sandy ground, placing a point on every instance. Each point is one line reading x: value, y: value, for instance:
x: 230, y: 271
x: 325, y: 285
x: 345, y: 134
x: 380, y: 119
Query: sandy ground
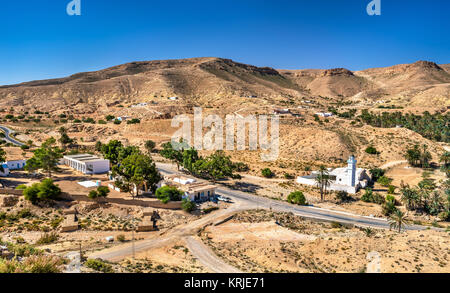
x: 326, y: 249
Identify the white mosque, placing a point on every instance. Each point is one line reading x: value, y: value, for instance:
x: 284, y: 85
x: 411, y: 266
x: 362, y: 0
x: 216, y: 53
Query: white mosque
x: 350, y: 179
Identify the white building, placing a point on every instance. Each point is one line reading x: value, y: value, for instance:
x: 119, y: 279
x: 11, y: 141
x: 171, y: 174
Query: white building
x: 195, y: 191
x: 325, y: 115
x: 123, y: 118
x: 87, y: 164
x: 16, y: 165
x: 349, y: 179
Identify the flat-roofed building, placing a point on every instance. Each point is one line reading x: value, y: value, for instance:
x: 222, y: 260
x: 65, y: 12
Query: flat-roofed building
x: 195, y: 191
x: 87, y: 164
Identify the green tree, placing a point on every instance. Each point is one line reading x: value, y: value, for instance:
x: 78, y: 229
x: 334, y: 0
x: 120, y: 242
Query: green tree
x: 297, y: 197
x: 215, y: 167
x: 169, y: 193
x: 322, y: 181
x: 136, y: 171
x: 2, y: 159
x: 111, y: 151
x: 385, y: 181
x: 397, y: 220
x: 190, y: 157
x: 445, y: 158
x: 46, y: 158
x: 170, y: 153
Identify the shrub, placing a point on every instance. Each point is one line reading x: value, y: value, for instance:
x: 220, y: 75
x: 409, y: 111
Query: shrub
x: 46, y: 190
x: 371, y: 150
x: 343, y: 196
x: 21, y: 187
x: 47, y: 238
x: 298, y: 198
x: 93, y: 194
x: 168, y: 193
x: 121, y: 238
x: 99, y: 266
x: 188, y: 206
x: 370, y: 196
x: 117, y: 122
x: 376, y: 173
x: 391, y: 189
x: 384, y: 181
x: 103, y: 191
x: 134, y: 121
x: 267, y: 173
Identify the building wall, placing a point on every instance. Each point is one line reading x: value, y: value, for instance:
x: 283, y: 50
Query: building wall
x: 5, y: 172
x: 99, y: 167
x: 16, y: 165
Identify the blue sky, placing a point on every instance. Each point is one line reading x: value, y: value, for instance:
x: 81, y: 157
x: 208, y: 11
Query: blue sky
x: 39, y: 40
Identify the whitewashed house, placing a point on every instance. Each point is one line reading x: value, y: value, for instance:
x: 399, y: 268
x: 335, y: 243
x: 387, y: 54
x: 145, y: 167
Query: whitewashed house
x: 193, y: 190
x: 325, y: 115
x: 87, y: 164
x: 16, y: 165
x: 350, y: 179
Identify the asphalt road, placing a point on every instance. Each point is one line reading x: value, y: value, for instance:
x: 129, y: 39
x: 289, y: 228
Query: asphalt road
x: 306, y: 212
x: 8, y: 137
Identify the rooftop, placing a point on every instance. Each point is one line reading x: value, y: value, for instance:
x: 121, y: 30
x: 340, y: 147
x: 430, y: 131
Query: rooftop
x: 84, y: 158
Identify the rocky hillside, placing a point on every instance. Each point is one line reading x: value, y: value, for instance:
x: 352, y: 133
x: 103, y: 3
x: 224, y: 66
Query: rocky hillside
x: 220, y: 82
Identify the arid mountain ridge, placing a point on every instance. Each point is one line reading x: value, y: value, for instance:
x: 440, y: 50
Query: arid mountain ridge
x: 217, y: 82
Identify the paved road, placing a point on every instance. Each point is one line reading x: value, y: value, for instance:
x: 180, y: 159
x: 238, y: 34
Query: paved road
x: 208, y: 258
x: 8, y: 137
x: 242, y: 201
x: 306, y: 212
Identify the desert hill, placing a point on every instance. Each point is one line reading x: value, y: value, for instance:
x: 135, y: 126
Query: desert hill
x: 217, y: 82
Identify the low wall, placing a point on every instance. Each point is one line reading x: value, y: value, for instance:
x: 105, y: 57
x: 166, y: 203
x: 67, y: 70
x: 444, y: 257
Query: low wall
x: 11, y: 191
x: 122, y: 201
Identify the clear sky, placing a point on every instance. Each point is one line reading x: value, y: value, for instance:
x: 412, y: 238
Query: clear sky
x: 38, y: 40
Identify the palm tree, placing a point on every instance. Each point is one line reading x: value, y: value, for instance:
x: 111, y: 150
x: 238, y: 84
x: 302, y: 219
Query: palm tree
x: 322, y: 180
x: 445, y: 158
x: 397, y: 220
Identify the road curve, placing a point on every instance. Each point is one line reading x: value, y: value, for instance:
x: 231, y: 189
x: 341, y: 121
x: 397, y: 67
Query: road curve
x: 306, y: 212
x: 8, y: 137
x: 208, y: 258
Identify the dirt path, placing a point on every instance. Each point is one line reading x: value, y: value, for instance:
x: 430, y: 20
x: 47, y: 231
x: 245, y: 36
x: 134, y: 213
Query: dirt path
x: 208, y: 258
x: 393, y: 164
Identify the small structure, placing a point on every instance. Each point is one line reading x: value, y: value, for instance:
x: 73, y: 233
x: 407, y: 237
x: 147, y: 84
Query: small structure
x: 281, y: 111
x: 349, y: 179
x: 173, y: 98
x: 149, y: 222
x: 123, y: 118
x: 140, y: 105
x: 193, y: 190
x: 87, y: 164
x: 325, y: 115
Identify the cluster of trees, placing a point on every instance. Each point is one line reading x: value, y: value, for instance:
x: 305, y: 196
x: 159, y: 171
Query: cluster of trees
x: 101, y: 192
x: 214, y: 167
x: 131, y: 168
x: 418, y: 156
x: 424, y: 198
x: 432, y: 126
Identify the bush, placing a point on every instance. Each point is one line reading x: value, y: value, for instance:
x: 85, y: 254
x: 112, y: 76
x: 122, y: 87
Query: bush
x: 21, y: 187
x: 343, y: 196
x: 298, y: 198
x: 121, y: 238
x: 93, y: 194
x: 384, y: 181
x: 372, y: 151
x: 99, y: 266
x: 134, y: 121
x: 117, y: 122
x: 188, y: 205
x: 168, y: 193
x: 267, y: 173
x: 48, y: 238
x: 370, y: 196
x: 391, y: 189
x: 101, y: 192
x: 376, y: 173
